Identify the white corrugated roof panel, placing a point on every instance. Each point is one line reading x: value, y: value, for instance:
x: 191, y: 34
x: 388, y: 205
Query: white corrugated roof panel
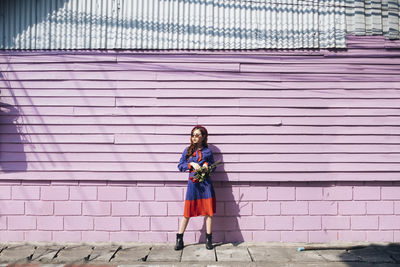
x: 192, y: 24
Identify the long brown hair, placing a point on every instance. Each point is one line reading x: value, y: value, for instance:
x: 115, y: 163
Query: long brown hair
x: 192, y: 148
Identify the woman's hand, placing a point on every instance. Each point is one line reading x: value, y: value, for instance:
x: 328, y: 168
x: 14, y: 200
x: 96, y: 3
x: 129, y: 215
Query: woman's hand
x: 195, y: 166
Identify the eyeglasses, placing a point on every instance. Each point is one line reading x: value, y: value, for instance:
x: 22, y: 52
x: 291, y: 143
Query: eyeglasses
x: 197, y: 135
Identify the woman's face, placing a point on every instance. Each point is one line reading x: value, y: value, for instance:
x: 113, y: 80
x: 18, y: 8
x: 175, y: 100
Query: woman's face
x: 197, y: 137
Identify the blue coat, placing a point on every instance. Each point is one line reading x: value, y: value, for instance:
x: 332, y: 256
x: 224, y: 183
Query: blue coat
x: 201, y: 156
x: 200, y: 197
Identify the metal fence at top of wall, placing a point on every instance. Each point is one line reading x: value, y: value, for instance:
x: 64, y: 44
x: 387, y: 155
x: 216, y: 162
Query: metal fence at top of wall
x: 192, y: 24
x: 172, y: 24
x: 373, y: 17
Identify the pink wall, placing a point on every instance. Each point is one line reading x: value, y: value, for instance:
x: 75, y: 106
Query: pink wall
x: 151, y: 211
x: 90, y: 141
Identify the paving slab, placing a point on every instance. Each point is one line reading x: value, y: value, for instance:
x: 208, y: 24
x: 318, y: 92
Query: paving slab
x: 164, y: 254
x: 73, y: 254
x: 103, y: 253
x: 305, y: 256
x: 131, y: 254
x: 16, y: 253
x: 196, y: 253
x: 268, y: 254
x: 338, y: 255
x: 283, y: 254
x: 232, y: 253
x: 372, y: 255
x: 45, y: 254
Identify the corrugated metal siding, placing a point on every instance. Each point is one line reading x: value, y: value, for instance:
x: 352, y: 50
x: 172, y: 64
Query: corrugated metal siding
x: 172, y: 24
x: 272, y: 116
x: 373, y: 18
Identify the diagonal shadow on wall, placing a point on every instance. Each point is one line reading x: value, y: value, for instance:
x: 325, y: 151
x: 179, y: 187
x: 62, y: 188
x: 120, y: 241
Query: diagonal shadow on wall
x: 12, y: 155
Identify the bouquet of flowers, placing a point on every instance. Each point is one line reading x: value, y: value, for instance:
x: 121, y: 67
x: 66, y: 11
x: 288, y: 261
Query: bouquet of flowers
x: 204, y: 172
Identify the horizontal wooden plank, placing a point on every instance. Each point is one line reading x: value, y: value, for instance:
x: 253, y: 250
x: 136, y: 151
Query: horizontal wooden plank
x: 106, y: 157
x: 231, y: 111
x: 334, y: 67
x: 327, y: 121
x: 174, y: 157
x: 24, y: 84
x: 72, y: 92
x: 259, y: 59
x: 216, y: 56
x: 60, y: 101
x: 285, y: 129
x: 261, y: 139
x: 165, y: 111
x: 242, y: 93
x: 319, y: 103
x: 180, y: 139
x: 360, y: 158
x: 81, y: 75
x: 122, y: 66
x: 34, y: 110
x: 300, y: 112
x: 11, y: 128
x: 227, y: 167
x: 107, y: 120
x: 222, y: 148
x: 56, y: 58
x: 255, y: 85
x: 197, y: 76
x: 329, y: 66
x: 204, y: 63
x: 216, y: 93
x: 57, y: 138
x: 260, y: 85
x: 209, y: 76
x: 262, y: 102
x: 205, y: 120
x: 199, y: 111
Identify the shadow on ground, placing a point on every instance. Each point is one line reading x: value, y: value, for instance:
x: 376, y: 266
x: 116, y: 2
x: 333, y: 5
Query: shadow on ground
x: 371, y: 254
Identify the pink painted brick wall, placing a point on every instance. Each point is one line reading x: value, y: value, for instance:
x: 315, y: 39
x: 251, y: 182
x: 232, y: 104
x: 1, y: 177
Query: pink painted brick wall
x: 151, y: 212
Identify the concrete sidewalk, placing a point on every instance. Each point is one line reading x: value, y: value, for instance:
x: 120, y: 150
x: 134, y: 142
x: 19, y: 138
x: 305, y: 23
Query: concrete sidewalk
x: 230, y: 254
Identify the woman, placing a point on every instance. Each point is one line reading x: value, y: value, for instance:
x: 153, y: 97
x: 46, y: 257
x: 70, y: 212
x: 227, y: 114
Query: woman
x: 200, y: 197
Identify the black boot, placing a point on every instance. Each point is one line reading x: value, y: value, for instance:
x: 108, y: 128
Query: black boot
x: 179, y: 242
x: 209, y: 244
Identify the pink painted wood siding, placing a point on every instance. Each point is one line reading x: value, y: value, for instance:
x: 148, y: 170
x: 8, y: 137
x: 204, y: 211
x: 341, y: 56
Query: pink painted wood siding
x: 272, y: 115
